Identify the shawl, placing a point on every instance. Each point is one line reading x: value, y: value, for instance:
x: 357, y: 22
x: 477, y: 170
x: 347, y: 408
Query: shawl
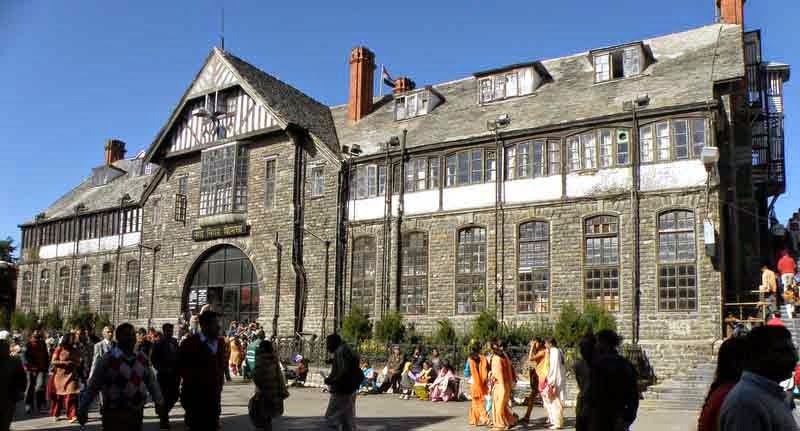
x: 556, y: 373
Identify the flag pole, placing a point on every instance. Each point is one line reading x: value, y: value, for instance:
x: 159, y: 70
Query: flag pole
x: 380, y: 80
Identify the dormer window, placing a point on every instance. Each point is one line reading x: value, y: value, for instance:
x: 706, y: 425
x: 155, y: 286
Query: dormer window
x: 618, y: 63
x: 511, y: 83
x: 416, y: 104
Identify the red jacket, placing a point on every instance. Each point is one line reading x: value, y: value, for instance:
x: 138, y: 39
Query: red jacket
x: 36, y: 356
x: 201, y: 370
x: 787, y: 265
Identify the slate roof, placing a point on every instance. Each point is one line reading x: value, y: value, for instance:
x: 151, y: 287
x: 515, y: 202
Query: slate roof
x: 685, y: 68
x: 287, y: 102
x: 101, y: 197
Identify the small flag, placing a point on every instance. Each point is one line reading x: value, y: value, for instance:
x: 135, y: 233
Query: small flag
x: 387, y: 79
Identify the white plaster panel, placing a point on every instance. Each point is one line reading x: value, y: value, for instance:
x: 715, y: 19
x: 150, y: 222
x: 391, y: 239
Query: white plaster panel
x: 109, y: 242
x: 421, y: 202
x: 474, y: 196
x: 685, y: 173
x: 532, y: 189
x: 366, y: 209
x: 65, y: 249
x: 132, y: 238
x: 88, y: 246
x: 48, y: 251
x: 603, y: 181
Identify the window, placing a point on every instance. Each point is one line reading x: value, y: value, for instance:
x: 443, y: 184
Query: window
x: 533, y: 273
x: 416, y: 171
x: 464, y: 168
x: 367, y: 181
x: 574, y: 145
x: 554, y: 157
x: 471, y: 270
x: 362, y: 286
x: 156, y: 211
x: 106, y: 290
x: 491, y: 167
x: 63, y: 294
x: 26, y: 297
x: 677, y: 139
x: 269, y: 184
x: 601, y: 261
x: 677, y: 262
x: 414, y: 284
x: 132, y: 289
x: 606, y: 148
x: 84, y: 284
x: 181, y: 198
x: 518, y: 82
x: 584, y: 154
x: 589, y: 144
x: 622, y: 147
x: 223, y: 180
x: 618, y: 64
x: 44, y: 292
x: 433, y: 165
x: 412, y: 105
x: 532, y: 159
x: 317, y: 181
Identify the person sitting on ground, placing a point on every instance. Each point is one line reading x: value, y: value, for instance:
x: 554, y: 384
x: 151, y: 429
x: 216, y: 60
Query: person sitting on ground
x: 775, y: 320
x: 436, y: 361
x: 730, y: 364
x: 394, y: 368
x: 301, y: 371
x: 442, y: 388
x: 758, y: 402
x: 425, y: 377
x: 370, y: 383
x: 406, y: 382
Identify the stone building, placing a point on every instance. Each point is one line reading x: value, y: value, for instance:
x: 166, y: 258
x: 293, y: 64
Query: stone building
x: 636, y: 177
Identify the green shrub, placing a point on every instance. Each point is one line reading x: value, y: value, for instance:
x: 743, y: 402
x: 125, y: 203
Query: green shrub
x: 356, y: 326
x: 4, y: 318
x: 53, y: 320
x: 445, y: 332
x: 598, y: 319
x: 573, y: 325
x: 570, y: 327
x: 485, y: 327
x: 21, y: 321
x: 390, y: 328
x: 522, y: 334
x: 412, y: 336
x: 101, y: 321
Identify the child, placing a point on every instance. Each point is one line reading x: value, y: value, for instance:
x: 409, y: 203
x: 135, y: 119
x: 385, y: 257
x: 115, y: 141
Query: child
x: 370, y: 383
x: 426, y: 376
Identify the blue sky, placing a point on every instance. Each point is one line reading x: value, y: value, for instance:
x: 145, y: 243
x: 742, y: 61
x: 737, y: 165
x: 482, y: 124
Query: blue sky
x: 75, y: 73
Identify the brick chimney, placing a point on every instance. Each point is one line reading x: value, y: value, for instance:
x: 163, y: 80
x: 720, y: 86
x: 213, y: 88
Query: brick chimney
x: 362, y: 70
x: 731, y: 11
x: 115, y: 151
x: 403, y: 84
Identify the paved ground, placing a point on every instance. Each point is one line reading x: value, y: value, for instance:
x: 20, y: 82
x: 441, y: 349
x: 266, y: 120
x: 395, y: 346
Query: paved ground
x: 305, y: 407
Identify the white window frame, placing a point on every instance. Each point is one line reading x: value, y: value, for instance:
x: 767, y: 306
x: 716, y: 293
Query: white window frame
x: 497, y: 87
x: 411, y: 105
x: 603, y: 62
x: 317, y: 181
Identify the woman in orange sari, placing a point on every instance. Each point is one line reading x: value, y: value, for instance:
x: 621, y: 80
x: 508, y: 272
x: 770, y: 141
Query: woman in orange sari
x: 479, y: 371
x: 502, y: 378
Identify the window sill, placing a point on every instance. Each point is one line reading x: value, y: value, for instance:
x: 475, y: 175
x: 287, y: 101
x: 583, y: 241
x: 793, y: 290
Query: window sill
x: 497, y: 102
x: 216, y: 219
x: 614, y: 80
x: 585, y: 171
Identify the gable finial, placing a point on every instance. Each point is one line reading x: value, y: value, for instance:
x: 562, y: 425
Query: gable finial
x: 222, y: 26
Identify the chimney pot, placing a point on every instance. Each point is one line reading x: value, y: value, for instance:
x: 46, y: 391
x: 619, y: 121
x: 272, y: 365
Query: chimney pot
x: 403, y: 84
x: 362, y: 70
x: 731, y: 11
x: 115, y: 151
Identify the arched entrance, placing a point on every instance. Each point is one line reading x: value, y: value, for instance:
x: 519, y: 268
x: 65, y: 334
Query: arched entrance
x: 224, y: 277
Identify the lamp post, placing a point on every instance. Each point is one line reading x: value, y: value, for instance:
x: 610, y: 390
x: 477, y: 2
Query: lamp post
x: 276, y: 312
x: 501, y: 122
x: 325, y: 283
x: 341, y: 232
x: 155, y: 249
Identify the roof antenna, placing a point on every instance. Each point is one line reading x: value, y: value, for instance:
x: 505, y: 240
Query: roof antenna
x: 222, y: 27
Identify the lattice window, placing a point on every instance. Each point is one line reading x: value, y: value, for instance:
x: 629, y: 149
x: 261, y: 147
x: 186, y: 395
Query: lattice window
x: 533, y: 270
x: 84, y: 284
x: 414, y: 284
x: 601, y: 262
x: 269, y: 184
x: 223, y: 180
x: 471, y: 270
x: 26, y: 295
x: 677, y: 262
x: 44, y: 291
x: 464, y: 168
x: 63, y: 295
x: 106, y: 290
x: 132, y: 289
x: 362, y: 290
x: 317, y: 181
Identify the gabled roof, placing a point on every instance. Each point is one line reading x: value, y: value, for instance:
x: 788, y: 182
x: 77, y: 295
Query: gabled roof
x: 288, y: 104
x: 107, y: 196
x: 685, y: 69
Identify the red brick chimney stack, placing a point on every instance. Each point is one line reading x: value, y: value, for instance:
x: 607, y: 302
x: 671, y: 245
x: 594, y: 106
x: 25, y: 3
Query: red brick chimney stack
x: 115, y: 151
x: 731, y: 11
x: 362, y: 71
x: 403, y: 84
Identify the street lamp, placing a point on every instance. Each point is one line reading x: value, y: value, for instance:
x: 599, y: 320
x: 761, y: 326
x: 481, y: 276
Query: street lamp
x: 500, y: 122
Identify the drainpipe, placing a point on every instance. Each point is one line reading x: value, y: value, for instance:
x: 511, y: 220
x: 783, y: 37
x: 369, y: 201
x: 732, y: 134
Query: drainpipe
x: 498, y: 197
x: 120, y: 228
x: 297, y: 242
x: 635, y: 170
x: 276, y: 309
x: 341, y: 245
x: 387, y: 234
x: 400, y: 209
x: 155, y: 250
x: 77, y: 232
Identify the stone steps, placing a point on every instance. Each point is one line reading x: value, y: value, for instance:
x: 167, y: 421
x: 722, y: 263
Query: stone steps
x: 684, y: 391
